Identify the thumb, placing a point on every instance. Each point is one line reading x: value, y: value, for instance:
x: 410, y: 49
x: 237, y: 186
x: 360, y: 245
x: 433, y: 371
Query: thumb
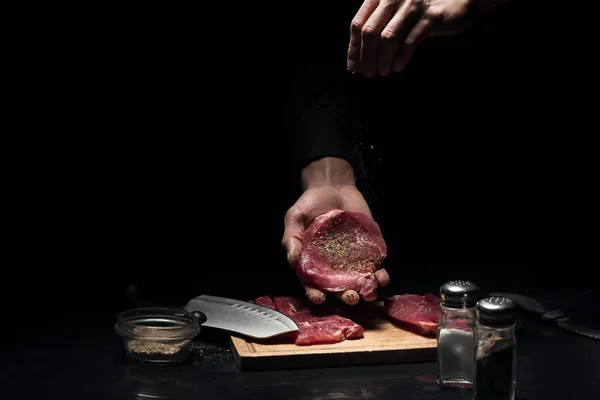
x: 292, y: 235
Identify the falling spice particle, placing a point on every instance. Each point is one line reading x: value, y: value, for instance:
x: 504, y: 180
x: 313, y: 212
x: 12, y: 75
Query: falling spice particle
x: 210, y: 353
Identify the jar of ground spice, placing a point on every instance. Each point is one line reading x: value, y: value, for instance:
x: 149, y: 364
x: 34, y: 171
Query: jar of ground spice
x: 157, y: 335
x: 455, y: 334
x: 495, y: 349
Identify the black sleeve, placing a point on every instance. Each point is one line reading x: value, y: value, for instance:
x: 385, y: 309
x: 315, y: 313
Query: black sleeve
x: 318, y: 118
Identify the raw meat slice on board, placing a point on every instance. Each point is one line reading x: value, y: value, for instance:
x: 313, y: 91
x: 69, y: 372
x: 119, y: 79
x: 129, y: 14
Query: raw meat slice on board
x: 318, y: 324
x: 265, y: 301
x: 420, y: 314
x: 342, y: 250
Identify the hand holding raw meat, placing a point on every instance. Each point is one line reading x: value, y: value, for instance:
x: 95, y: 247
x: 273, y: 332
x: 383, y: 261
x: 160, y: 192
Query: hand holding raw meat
x: 352, y: 271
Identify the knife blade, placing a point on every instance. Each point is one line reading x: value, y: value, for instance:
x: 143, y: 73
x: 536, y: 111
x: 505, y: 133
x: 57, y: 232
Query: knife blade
x: 243, y: 317
x: 535, y: 307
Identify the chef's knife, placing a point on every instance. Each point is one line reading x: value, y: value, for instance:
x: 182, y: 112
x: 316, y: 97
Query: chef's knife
x: 535, y: 307
x: 249, y: 319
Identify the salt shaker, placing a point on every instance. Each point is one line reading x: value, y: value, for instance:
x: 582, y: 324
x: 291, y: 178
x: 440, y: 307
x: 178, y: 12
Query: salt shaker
x: 495, y: 349
x: 455, y: 345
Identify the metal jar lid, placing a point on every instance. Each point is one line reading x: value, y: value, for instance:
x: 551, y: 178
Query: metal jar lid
x: 496, y: 311
x: 459, y: 294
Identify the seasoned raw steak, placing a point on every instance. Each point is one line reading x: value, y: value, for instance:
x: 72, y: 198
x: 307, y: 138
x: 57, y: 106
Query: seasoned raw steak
x: 341, y: 250
x: 419, y: 313
x: 318, y: 324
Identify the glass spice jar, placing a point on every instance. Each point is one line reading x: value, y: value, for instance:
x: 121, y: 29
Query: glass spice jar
x: 158, y: 335
x: 495, y: 349
x: 455, y: 334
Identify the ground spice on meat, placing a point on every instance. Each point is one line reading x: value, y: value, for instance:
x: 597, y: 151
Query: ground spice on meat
x: 334, y: 247
x: 341, y: 250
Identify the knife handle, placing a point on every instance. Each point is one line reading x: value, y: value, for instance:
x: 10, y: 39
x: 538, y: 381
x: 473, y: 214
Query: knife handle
x: 531, y: 305
x: 201, y: 316
x: 553, y: 315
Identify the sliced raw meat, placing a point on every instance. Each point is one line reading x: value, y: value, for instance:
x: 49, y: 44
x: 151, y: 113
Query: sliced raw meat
x: 318, y: 325
x: 288, y: 305
x: 324, y: 330
x: 419, y: 313
x: 341, y: 250
x: 265, y: 301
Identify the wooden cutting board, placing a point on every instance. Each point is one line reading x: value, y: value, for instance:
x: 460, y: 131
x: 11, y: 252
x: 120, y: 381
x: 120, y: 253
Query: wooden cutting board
x: 384, y: 343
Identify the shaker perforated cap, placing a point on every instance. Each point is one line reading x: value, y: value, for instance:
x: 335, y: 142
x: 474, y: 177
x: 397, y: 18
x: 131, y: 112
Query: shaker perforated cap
x: 459, y: 294
x: 496, y: 311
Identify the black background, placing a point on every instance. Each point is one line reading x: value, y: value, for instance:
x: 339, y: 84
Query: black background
x: 163, y: 161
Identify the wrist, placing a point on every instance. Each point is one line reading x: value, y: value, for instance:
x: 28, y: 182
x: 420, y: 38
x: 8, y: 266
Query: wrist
x: 328, y: 171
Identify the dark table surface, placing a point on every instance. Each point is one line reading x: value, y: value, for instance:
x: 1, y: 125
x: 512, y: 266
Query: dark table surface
x: 82, y: 358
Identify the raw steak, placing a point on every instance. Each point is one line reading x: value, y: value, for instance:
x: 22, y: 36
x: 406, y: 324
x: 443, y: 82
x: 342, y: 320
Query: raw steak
x: 265, y: 301
x: 341, y: 250
x: 419, y: 313
x: 318, y: 324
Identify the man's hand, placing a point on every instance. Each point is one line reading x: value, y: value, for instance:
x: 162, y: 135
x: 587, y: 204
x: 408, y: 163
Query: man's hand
x: 385, y: 33
x: 329, y: 184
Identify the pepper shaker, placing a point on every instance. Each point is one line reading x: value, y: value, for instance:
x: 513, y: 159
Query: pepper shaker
x: 455, y: 346
x: 495, y: 349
